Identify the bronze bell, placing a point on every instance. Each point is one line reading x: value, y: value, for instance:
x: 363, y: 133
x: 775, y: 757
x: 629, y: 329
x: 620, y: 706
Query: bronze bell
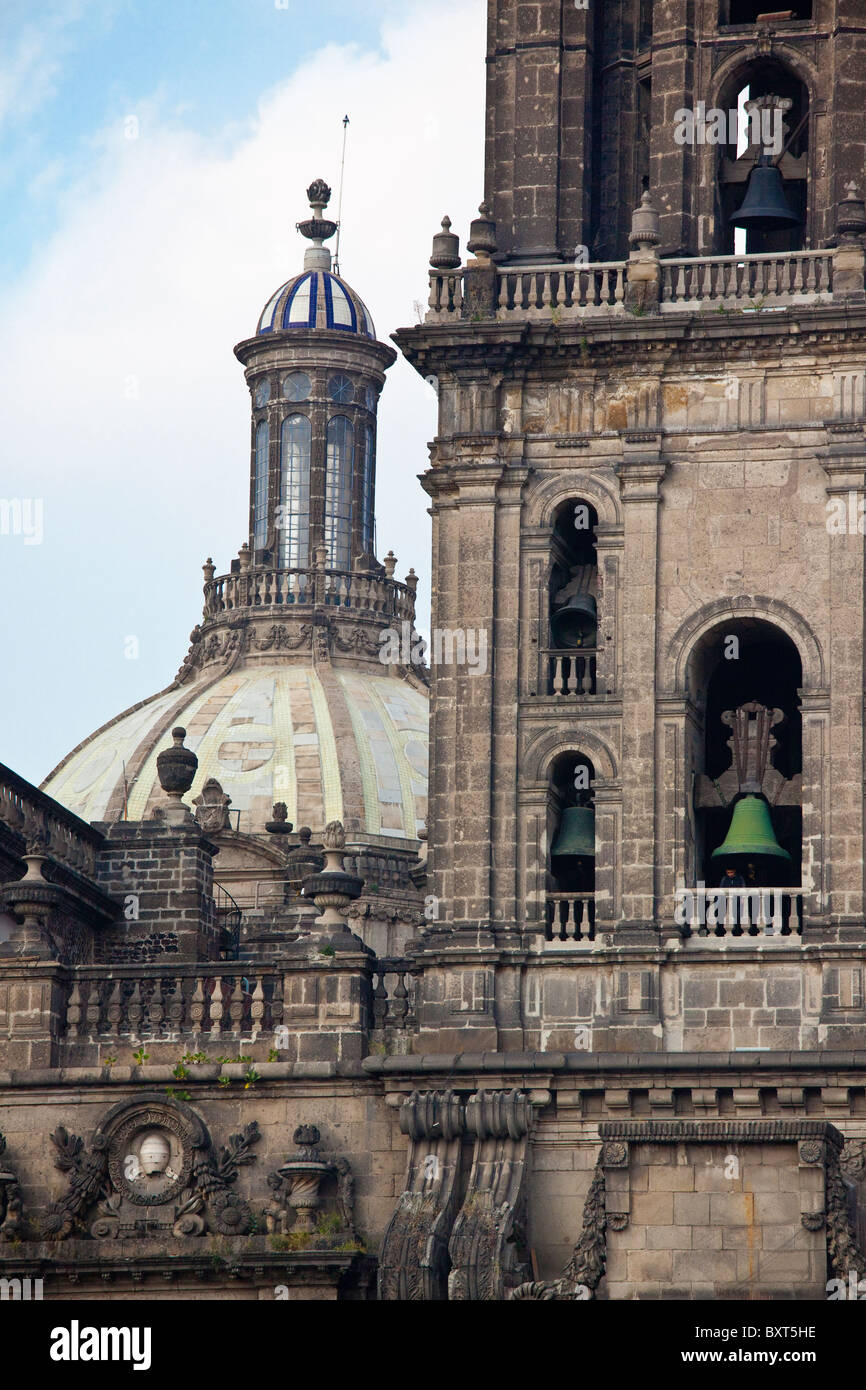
x: 765, y: 205
x: 576, y: 836
x: 751, y: 832
x: 575, y: 624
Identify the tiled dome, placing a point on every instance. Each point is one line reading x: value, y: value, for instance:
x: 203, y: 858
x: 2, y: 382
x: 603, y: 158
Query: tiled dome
x: 316, y: 299
x: 333, y: 745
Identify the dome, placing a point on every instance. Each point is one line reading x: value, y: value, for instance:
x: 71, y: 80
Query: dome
x: 332, y: 744
x: 316, y: 299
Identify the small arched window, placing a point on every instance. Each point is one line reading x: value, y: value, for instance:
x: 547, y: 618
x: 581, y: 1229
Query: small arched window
x: 367, y: 492
x: 338, y: 491
x: 260, y: 525
x: 295, y: 439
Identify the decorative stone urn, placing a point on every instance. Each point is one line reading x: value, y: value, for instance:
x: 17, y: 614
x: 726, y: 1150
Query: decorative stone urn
x: 333, y: 889
x: 305, y: 1173
x: 176, y: 768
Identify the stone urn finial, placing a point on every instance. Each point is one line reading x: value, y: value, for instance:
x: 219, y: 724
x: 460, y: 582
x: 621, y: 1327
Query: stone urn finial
x: 332, y: 888
x: 280, y: 824
x: 851, y: 213
x: 644, y: 224
x: 390, y: 563
x: 176, y: 768
x: 446, y: 248
x: 482, y: 235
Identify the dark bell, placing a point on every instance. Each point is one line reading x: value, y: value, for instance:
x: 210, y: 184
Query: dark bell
x: 765, y: 205
x: 576, y: 837
x: 575, y: 625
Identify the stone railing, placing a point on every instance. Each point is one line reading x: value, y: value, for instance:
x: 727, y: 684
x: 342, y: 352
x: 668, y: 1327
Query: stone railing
x: 148, y: 1004
x: 266, y: 587
x: 560, y: 291
x: 391, y: 1006
x: 537, y: 291
x: 747, y: 281
x: 740, y: 913
x: 571, y: 673
x: 46, y: 827
x: 569, y: 917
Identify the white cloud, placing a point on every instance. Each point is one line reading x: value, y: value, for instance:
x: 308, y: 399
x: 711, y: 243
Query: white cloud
x: 164, y: 260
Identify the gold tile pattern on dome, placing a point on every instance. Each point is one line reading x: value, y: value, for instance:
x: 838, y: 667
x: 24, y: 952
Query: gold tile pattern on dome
x: 266, y: 734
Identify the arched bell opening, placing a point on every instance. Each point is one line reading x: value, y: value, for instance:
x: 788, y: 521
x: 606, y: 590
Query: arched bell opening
x: 571, y: 856
x: 748, y: 750
x: 573, y: 600
x: 762, y: 178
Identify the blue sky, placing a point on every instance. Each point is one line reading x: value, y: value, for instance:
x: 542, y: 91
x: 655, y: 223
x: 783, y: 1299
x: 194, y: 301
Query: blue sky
x: 129, y: 267
x: 81, y: 65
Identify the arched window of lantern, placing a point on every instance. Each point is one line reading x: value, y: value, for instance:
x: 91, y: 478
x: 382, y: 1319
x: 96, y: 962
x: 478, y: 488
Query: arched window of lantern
x: 295, y: 440
x: 367, y: 490
x: 338, y: 491
x: 260, y: 503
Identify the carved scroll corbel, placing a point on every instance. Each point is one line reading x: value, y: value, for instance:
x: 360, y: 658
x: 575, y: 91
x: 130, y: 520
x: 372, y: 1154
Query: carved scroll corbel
x: 487, y: 1247
x: 414, y: 1259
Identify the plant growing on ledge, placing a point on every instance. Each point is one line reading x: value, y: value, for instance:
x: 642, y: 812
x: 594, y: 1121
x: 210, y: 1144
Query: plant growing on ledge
x: 251, y: 1076
x: 180, y: 1071
x: 140, y: 1057
x: 174, y: 1094
x: 326, y: 951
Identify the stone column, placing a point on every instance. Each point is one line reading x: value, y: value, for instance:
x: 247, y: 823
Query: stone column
x: 640, y: 474
x: 844, y: 767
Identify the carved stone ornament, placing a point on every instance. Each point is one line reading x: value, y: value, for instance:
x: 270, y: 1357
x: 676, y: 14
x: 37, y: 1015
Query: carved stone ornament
x: 811, y: 1151
x: 156, y: 1155
x: 212, y: 808
x: 11, y: 1207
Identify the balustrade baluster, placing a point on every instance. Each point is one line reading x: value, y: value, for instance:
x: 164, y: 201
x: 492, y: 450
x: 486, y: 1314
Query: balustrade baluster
x: 73, y: 1011
x: 156, y: 1010
x: 114, y: 1012
x: 93, y: 1009
x: 558, y: 682
x: 457, y: 284
x: 257, y: 1009
x: 135, y: 1010
x: 573, y: 665
x: 216, y: 1009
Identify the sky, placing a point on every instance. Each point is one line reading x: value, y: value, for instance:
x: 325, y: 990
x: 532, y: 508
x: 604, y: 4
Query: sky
x: 153, y: 162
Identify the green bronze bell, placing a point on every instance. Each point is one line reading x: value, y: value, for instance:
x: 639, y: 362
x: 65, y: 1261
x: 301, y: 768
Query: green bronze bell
x: 576, y: 836
x: 751, y: 832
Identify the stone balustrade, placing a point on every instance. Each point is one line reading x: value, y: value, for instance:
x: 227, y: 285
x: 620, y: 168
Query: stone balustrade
x: 559, y: 291
x: 391, y: 1003
x: 744, y: 281
x: 570, y: 917
x: 732, y: 914
x: 145, y: 1005
x: 264, y: 586
x: 570, y: 673
x: 44, y: 826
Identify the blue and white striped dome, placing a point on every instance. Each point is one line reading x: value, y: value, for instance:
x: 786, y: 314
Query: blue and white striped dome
x: 316, y: 299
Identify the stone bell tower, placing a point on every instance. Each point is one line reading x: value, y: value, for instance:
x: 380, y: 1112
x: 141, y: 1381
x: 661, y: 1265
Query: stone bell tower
x: 645, y: 486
